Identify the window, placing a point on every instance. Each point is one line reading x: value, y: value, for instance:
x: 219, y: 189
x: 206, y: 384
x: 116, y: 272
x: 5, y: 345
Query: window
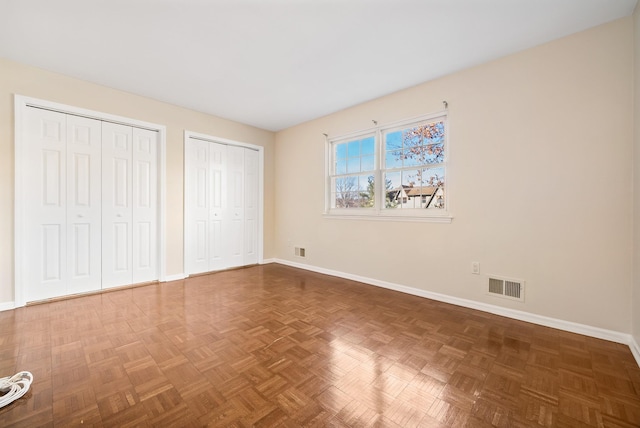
x: 396, y: 170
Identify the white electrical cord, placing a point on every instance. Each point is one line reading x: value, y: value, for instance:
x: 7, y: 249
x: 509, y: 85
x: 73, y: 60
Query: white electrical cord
x: 14, y: 387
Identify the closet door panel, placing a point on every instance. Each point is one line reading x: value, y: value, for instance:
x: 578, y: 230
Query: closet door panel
x: 235, y: 196
x: 196, y: 188
x: 84, y: 204
x: 145, y: 200
x: 45, y: 246
x: 117, y: 201
x: 218, y: 210
x: 251, y: 207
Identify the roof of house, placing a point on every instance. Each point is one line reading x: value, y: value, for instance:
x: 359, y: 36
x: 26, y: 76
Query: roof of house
x: 412, y: 192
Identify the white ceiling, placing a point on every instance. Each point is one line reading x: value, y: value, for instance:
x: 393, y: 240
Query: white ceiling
x: 277, y: 63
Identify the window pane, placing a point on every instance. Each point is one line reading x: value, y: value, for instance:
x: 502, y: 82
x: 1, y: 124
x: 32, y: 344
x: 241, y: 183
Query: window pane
x: 411, y: 178
x: 427, y: 133
x: 433, y: 177
x: 435, y: 133
x: 366, y: 186
x: 423, y: 155
x: 341, y: 166
x: 434, y: 153
x: 368, y: 146
x: 367, y: 163
x: 393, y: 140
x: 420, y: 145
x: 413, y: 156
x: 393, y: 159
x: 418, y: 195
x: 341, y: 151
x: 344, y: 192
x: 354, y: 149
x: 353, y: 165
x: 415, y: 188
x: 354, y: 192
x: 392, y: 189
x: 394, y: 179
x: 354, y: 197
x: 363, y: 182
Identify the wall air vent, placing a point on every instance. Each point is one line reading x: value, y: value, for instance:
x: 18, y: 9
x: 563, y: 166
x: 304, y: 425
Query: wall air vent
x: 508, y: 288
x: 300, y: 252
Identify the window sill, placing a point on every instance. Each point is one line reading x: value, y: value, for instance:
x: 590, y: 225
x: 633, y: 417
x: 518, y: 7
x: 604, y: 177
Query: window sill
x: 375, y: 216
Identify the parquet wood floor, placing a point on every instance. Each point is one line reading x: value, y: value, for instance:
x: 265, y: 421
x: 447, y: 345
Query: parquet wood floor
x: 272, y: 346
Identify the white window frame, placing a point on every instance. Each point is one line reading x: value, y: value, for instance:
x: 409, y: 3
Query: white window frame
x: 378, y: 212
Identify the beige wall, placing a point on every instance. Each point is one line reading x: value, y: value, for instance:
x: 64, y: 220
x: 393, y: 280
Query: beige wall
x: 636, y: 181
x: 28, y: 81
x: 540, y: 183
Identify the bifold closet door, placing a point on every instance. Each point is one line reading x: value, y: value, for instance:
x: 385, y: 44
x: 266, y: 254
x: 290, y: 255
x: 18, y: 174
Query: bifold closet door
x: 251, y: 211
x: 129, y: 201
x: 221, y: 206
x: 62, y: 204
x: 206, y: 206
x: 90, y: 204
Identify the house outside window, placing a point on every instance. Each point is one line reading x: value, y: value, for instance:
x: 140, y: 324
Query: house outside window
x: 390, y: 171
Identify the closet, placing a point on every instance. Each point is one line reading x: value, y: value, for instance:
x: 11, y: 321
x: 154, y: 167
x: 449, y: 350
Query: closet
x: 221, y: 205
x: 90, y: 207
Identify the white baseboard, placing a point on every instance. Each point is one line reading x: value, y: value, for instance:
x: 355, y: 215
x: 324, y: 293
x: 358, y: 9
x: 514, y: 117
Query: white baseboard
x: 176, y: 277
x: 267, y: 261
x: 7, y: 306
x: 635, y: 349
x: 569, y: 326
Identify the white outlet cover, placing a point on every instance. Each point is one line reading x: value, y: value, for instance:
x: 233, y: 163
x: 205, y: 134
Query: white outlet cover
x: 475, y: 268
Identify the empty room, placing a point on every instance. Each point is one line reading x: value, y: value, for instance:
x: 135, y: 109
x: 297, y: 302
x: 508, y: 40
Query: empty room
x: 356, y: 213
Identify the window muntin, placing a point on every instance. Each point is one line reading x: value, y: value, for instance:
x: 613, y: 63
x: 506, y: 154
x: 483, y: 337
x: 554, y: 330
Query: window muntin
x: 404, y: 162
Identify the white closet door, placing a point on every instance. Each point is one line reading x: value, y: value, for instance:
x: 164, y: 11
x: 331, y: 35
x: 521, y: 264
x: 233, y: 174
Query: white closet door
x: 45, y: 200
x: 83, y: 204
x: 221, y: 206
x: 234, y: 239
x: 89, y: 202
x: 197, y: 188
x: 218, y: 212
x: 251, y: 200
x: 145, y: 202
x: 117, y: 211
x: 62, y: 201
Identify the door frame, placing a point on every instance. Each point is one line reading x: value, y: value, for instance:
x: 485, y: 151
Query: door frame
x: 21, y: 103
x: 204, y: 137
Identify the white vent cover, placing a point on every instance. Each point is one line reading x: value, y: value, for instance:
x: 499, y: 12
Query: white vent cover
x: 300, y: 252
x: 508, y: 288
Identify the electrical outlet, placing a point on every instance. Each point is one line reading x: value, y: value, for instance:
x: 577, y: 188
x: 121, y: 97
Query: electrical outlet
x: 475, y: 268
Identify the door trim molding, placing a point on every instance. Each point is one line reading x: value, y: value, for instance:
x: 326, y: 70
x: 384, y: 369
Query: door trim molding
x: 21, y: 103
x: 212, y: 139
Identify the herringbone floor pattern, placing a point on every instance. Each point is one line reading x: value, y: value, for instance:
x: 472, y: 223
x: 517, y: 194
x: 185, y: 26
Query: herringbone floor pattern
x: 272, y: 346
